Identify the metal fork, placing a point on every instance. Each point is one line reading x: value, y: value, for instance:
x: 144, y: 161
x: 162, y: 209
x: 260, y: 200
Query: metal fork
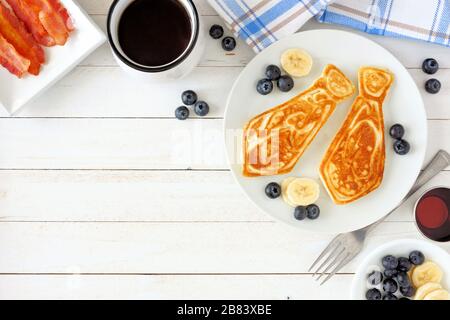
x: 345, y: 246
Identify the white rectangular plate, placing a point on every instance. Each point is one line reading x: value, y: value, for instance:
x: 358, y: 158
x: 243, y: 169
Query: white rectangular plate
x: 15, y: 92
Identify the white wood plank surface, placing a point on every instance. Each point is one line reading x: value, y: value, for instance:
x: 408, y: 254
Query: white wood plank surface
x: 167, y: 248
x: 99, y: 197
x: 216, y: 287
x: 147, y: 196
x: 140, y: 99
x: 41, y: 143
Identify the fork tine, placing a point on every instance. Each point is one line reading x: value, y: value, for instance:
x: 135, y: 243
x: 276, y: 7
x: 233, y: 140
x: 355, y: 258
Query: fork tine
x: 335, y: 261
x: 328, y: 259
x: 338, y: 267
x: 332, y: 244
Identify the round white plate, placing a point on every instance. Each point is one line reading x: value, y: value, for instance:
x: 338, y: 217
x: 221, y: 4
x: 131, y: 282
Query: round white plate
x: 398, y: 248
x: 403, y: 105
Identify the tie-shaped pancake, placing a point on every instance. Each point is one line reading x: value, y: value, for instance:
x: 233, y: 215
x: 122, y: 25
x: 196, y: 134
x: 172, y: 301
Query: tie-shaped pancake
x: 274, y: 140
x: 353, y: 165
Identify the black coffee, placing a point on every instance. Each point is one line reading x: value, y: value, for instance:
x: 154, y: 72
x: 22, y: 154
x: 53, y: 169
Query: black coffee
x: 154, y: 32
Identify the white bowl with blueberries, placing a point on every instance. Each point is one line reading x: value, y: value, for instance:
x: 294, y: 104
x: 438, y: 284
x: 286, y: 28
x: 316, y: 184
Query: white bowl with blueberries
x: 405, y: 269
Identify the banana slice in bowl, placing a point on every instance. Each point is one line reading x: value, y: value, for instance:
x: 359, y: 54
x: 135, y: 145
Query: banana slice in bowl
x: 430, y: 280
x: 425, y: 273
x: 426, y: 289
x: 439, y: 294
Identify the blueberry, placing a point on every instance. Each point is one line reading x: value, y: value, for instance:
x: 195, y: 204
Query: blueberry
x: 416, y: 257
x: 300, y: 213
x: 390, y: 273
x: 285, y: 83
x: 408, y: 291
x: 433, y: 86
x: 182, y: 113
x: 373, y: 294
x: 430, y: 66
x: 273, y: 190
x: 216, y: 31
x: 403, y: 264
x: 390, y: 286
x: 189, y: 97
x: 389, y: 262
x: 389, y: 296
x: 312, y: 211
x: 201, y: 108
x: 228, y: 43
x: 273, y: 72
x: 397, y: 131
x: 401, y: 147
x: 264, y: 86
x: 403, y: 279
x: 375, y: 278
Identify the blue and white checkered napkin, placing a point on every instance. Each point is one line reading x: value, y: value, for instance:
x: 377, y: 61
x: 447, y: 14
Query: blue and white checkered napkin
x: 262, y: 22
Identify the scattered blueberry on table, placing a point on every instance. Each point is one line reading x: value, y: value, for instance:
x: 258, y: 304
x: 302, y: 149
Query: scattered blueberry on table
x: 264, y: 86
x: 430, y: 66
x: 228, y: 43
x: 273, y: 72
x: 189, y: 97
x: 273, y: 190
x: 216, y: 31
x: 201, y: 108
x: 182, y: 113
x: 433, y: 86
x: 285, y: 83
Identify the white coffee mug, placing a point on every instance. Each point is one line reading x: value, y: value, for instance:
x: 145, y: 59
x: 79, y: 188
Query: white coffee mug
x: 175, y: 69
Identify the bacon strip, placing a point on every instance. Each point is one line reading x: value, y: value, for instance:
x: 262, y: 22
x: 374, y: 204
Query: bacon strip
x: 15, y: 33
x: 62, y: 11
x: 11, y: 59
x: 47, y: 20
x: 28, y: 12
x: 56, y: 20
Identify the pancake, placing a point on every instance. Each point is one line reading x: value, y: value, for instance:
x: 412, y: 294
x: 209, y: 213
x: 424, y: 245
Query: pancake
x: 353, y: 165
x: 274, y: 141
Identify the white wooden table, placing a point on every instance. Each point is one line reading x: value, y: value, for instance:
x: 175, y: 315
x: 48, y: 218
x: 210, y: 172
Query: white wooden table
x: 94, y: 204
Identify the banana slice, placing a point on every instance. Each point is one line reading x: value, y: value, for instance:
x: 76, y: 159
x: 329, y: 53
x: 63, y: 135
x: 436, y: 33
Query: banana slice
x: 427, y: 272
x: 284, y: 186
x: 296, y: 62
x: 302, y: 192
x: 426, y: 289
x: 439, y: 294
